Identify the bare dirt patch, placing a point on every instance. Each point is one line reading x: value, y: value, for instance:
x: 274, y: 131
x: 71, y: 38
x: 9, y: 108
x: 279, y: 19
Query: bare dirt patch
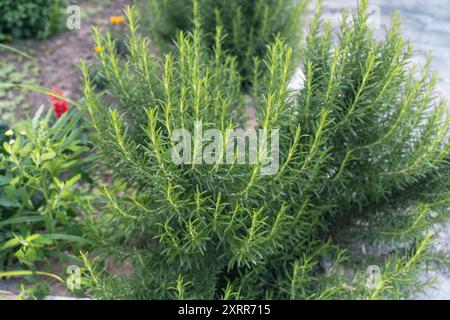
x: 57, y: 58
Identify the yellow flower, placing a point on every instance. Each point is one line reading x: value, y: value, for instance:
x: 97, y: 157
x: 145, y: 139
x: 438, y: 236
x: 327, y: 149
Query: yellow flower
x: 117, y: 19
x: 12, y: 141
x: 99, y: 49
x: 9, y: 133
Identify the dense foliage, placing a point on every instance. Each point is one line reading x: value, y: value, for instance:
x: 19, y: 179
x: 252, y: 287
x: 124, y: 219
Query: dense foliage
x: 364, y: 160
x: 249, y: 26
x: 30, y: 18
x: 4, y: 127
x: 388, y: 141
x: 41, y: 199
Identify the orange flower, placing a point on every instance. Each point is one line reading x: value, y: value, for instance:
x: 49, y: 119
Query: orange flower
x: 117, y: 19
x: 99, y: 49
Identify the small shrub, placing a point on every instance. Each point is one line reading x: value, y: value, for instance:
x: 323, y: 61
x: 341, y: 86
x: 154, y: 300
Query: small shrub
x: 364, y: 159
x: 388, y: 144
x: 30, y: 18
x: 249, y: 26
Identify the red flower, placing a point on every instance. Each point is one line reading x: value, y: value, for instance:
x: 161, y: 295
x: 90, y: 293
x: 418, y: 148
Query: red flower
x: 60, y: 106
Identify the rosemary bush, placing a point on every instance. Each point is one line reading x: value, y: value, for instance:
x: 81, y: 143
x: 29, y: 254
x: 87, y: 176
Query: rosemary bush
x: 363, y: 156
x: 249, y: 26
x: 388, y: 147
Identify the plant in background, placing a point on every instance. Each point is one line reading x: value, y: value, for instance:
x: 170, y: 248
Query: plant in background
x: 364, y: 156
x: 248, y: 26
x: 118, y: 35
x: 30, y: 18
x: 41, y: 198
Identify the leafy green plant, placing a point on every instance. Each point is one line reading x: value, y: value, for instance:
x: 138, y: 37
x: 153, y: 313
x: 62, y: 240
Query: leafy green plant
x: 388, y: 144
x: 248, y: 26
x: 41, y: 199
x: 364, y: 156
x: 5, y: 134
x: 30, y: 18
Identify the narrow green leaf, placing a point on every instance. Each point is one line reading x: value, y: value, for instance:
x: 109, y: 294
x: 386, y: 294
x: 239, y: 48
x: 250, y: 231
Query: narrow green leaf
x: 23, y: 273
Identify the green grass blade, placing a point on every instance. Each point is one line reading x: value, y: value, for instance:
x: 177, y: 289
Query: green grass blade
x: 23, y: 273
x: 39, y: 89
x: 9, y: 48
x: 18, y: 220
x: 65, y: 237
